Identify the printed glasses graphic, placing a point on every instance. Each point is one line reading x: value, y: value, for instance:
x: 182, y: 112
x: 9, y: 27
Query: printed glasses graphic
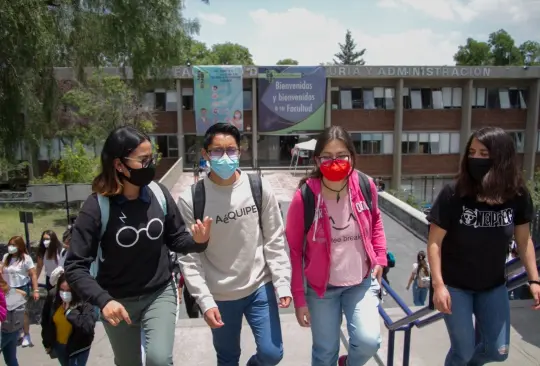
x: 130, y: 240
x: 217, y: 153
x: 331, y: 159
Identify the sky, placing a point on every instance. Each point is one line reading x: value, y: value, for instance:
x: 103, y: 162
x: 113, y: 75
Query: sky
x: 394, y: 32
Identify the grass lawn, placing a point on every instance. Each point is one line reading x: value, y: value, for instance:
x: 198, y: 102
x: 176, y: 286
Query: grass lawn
x: 44, y: 219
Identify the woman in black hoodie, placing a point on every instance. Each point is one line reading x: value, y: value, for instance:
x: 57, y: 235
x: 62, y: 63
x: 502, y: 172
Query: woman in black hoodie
x: 67, y: 323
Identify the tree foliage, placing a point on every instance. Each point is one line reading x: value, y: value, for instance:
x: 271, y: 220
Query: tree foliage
x: 287, y: 61
x: 100, y: 105
x: 499, y: 50
x: 348, y: 54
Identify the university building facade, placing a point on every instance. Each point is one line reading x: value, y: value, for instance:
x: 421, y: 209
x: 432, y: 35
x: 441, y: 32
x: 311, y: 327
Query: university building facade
x: 406, y: 121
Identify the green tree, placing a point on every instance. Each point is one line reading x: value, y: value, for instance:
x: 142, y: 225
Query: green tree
x: 231, y: 54
x: 38, y: 35
x: 100, y: 105
x: 348, y: 54
x: 499, y: 50
x: 287, y: 61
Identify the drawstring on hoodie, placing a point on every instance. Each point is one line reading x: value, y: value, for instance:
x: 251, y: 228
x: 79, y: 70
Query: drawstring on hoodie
x: 317, y: 214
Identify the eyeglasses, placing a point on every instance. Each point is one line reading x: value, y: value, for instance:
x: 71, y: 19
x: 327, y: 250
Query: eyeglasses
x: 330, y: 159
x: 232, y: 152
x: 145, y: 161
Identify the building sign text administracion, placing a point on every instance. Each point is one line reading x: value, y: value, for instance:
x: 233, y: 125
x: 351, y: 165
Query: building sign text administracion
x: 408, y: 71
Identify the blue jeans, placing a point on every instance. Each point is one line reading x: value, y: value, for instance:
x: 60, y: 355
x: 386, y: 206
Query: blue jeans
x: 491, y: 310
x: 419, y: 294
x: 262, y: 314
x: 9, y: 347
x: 79, y: 359
x: 360, y: 305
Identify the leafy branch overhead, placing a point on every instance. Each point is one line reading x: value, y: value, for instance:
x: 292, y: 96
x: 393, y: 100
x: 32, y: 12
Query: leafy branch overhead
x: 348, y: 54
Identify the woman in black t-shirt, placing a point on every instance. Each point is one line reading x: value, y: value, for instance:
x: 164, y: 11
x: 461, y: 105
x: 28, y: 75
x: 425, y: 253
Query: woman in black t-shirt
x: 472, y: 221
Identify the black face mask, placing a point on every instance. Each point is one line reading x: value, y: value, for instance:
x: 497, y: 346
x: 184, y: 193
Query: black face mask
x: 141, y: 177
x: 478, y: 168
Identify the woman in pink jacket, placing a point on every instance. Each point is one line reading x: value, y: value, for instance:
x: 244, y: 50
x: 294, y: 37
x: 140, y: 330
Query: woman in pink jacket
x: 345, y: 252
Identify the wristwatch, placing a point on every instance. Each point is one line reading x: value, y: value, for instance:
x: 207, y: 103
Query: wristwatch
x: 532, y: 282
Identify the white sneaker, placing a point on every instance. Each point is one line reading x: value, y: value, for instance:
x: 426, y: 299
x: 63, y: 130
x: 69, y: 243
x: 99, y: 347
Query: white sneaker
x: 27, y: 342
x: 384, y: 293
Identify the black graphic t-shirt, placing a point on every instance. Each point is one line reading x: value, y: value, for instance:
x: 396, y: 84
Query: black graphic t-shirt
x: 477, y: 235
x: 135, y: 247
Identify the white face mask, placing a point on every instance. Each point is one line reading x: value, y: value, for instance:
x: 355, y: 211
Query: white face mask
x: 65, y: 296
x: 12, y: 249
x: 46, y: 243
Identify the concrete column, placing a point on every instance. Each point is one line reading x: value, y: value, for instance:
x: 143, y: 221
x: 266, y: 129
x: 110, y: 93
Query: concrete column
x: 254, y: 123
x: 398, y: 130
x: 531, y: 130
x: 328, y: 116
x: 180, y: 122
x: 466, y: 115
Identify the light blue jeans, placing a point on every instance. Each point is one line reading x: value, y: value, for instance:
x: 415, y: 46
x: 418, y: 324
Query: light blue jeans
x: 419, y: 294
x: 360, y: 305
x: 492, y: 312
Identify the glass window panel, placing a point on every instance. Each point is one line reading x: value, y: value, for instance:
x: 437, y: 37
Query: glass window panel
x: 171, y: 101
x: 437, y: 98
x: 345, y: 98
x: 434, y: 143
x: 424, y: 137
x: 369, y: 101
x: 187, y: 92
x: 504, y: 98
x: 248, y: 101
x: 357, y: 140
x: 366, y: 137
x: 416, y: 99
x: 389, y: 98
x: 149, y: 101
x: 378, y: 92
x: 456, y: 97
x: 388, y: 143
x: 481, y: 97
x: 473, y: 97
x: 519, y: 141
x: 413, y: 137
x: 444, y: 143
x: 447, y: 97
x: 173, y: 142
x: 405, y: 92
x: 522, y: 100
x: 454, y: 143
x: 376, y: 137
x: 403, y: 137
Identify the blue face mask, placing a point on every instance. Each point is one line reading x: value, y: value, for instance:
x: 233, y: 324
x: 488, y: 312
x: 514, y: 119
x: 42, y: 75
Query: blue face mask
x: 225, y: 166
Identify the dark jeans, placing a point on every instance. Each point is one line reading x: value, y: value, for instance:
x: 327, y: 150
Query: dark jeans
x: 78, y: 359
x: 9, y: 348
x: 491, y: 310
x: 262, y: 314
x: 48, y: 285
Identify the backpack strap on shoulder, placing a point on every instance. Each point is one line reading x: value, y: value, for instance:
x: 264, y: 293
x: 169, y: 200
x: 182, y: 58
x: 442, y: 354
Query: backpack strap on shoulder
x: 365, y: 187
x: 198, y: 196
x: 255, y: 183
x: 158, y: 192
x: 308, y: 198
x: 104, y: 208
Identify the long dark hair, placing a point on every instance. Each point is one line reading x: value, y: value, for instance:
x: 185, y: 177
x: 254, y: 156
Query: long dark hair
x: 330, y: 134
x: 422, y: 263
x: 504, y: 180
x: 18, y: 242
x: 54, y: 247
x: 118, y: 145
x: 75, y: 299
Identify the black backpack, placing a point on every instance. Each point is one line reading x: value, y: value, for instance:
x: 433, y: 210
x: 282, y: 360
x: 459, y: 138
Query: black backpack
x: 309, y: 200
x: 198, y: 195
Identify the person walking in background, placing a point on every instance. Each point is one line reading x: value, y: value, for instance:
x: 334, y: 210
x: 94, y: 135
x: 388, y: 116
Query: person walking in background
x: 67, y: 323
x: 49, y: 255
x: 246, y: 264
x: 472, y: 222
x: 19, y: 272
x: 420, y: 279
x: 129, y: 224
x: 344, y: 253
x: 13, y: 322
x: 391, y: 260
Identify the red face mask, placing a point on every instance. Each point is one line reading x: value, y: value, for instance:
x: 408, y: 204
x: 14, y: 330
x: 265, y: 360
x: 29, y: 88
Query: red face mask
x: 335, y: 170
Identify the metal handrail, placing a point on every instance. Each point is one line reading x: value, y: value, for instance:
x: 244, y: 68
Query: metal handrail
x: 412, y: 319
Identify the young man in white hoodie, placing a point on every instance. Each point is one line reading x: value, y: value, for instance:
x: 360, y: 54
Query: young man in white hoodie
x: 246, y: 270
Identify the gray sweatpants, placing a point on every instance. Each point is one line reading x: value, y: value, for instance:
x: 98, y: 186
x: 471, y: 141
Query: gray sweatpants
x: 155, y: 314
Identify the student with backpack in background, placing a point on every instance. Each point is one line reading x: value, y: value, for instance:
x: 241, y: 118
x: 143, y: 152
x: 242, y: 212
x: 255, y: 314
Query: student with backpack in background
x: 12, y: 312
x: 338, y: 253
x: 125, y: 231
x: 420, y: 279
x: 391, y: 259
x: 246, y: 263
x: 67, y: 323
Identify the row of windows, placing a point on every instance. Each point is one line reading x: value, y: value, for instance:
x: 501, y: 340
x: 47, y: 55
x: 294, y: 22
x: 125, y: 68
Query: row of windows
x: 165, y: 100
x: 365, y: 143
x: 428, y: 98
